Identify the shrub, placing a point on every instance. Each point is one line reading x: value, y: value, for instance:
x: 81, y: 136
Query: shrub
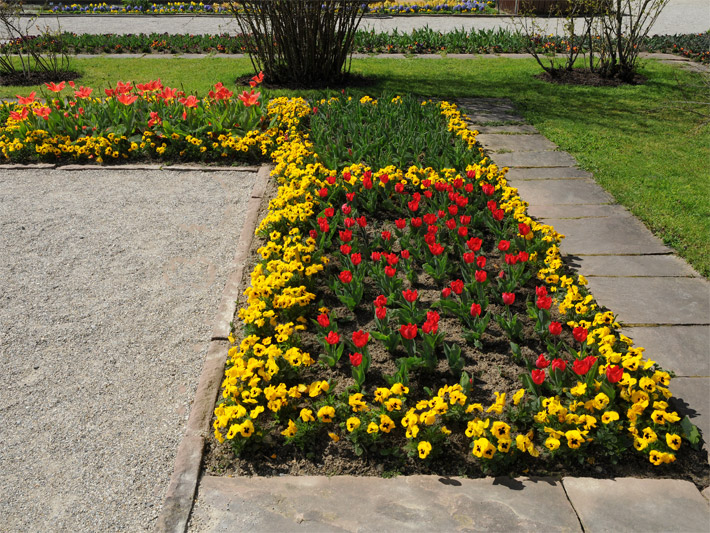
x: 303, y: 42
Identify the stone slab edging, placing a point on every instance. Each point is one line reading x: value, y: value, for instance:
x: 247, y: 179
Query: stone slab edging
x: 132, y: 167
x: 183, y: 482
x: 426, y: 503
x: 658, y: 297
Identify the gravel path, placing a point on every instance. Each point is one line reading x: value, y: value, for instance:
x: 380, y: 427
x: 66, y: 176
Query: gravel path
x: 109, y: 281
x: 679, y: 16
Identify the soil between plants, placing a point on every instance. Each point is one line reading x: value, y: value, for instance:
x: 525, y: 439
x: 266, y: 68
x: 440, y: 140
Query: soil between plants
x: 37, y: 78
x: 589, y: 78
x: 492, y: 368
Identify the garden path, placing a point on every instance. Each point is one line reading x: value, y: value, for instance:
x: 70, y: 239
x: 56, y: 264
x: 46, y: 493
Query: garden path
x: 109, y: 281
x: 679, y: 16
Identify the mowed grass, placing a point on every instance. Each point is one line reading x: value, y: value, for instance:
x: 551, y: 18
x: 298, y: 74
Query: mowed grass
x: 643, y: 146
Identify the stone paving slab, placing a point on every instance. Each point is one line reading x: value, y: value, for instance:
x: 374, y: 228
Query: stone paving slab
x: 629, y: 504
x: 516, y: 143
x: 367, y: 504
x: 635, y: 266
x: 654, y: 300
x: 691, y: 396
x: 535, y: 159
x: 683, y: 349
x: 565, y: 172
x: 610, y: 235
x: 562, y: 192
x: 577, y: 211
x: 522, y: 129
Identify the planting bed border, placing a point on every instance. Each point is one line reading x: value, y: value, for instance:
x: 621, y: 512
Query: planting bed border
x: 183, y: 482
x: 180, y: 498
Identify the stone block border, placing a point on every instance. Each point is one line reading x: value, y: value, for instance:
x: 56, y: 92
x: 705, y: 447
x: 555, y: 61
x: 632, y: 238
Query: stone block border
x: 183, y: 482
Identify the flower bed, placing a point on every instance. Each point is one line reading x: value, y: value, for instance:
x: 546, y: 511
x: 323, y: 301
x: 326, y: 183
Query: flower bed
x: 418, y: 318
x: 410, y: 313
x: 412, y: 7
x: 138, y: 123
x: 420, y: 41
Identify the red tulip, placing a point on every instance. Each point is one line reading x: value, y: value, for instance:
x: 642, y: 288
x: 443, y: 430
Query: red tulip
x: 409, y: 331
x: 410, y: 296
x: 355, y: 359
x: 538, y: 376
x: 332, y: 338
x: 508, y: 298
x: 360, y: 338
x: 555, y: 328
x: 614, y: 373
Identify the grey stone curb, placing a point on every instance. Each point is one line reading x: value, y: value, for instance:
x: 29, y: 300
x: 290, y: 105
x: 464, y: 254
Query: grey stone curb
x: 183, y: 483
x: 175, y: 168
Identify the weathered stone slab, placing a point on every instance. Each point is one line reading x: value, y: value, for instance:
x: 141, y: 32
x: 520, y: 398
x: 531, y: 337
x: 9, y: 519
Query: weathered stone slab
x: 691, y: 396
x: 366, y: 504
x: 655, y: 300
x: 630, y: 504
x: 521, y: 129
x: 547, y: 173
x: 561, y: 192
x: 516, y: 143
x: 635, y: 266
x: 683, y: 349
x: 534, y: 159
x: 609, y: 235
x: 575, y: 210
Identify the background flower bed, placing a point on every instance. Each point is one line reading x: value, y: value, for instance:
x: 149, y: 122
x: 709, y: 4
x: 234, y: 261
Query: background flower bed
x: 423, y: 41
x: 316, y: 416
x: 143, y: 7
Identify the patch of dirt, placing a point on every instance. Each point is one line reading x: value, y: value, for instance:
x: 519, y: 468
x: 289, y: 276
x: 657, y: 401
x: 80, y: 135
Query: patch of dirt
x: 37, y: 78
x: 587, y: 77
x: 345, y: 81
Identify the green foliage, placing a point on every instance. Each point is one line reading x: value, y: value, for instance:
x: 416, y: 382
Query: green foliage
x: 353, y: 133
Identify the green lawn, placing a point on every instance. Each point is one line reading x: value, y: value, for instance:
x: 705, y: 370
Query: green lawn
x: 640, y: 144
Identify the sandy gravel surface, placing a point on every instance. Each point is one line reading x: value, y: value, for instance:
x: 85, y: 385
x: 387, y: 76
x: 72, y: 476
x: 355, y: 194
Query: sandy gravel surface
x: 109, y: 282
x: 679, y: 16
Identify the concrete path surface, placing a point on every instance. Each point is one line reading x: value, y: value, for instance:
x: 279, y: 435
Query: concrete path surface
x: 679, y: 16
x: 110, y: 280
x: 319, y: 504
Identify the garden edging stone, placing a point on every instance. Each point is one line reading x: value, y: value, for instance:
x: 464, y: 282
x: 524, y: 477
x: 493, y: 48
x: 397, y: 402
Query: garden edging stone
x: 184, y: 480
x: 632, y: 504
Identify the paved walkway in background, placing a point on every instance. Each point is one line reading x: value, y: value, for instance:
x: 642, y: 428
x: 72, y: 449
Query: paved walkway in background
x: 679, y: 16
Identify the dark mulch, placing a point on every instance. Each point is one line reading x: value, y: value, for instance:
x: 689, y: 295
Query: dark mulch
x: 37, y: 78
x: 587, y: 77
x: 344, y: 81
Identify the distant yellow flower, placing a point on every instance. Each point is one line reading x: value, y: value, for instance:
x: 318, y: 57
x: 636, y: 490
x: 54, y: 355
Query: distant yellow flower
x: 673, y: 441
x: 424, y: 449
x: 352, y: 423
x: 326, y: 413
